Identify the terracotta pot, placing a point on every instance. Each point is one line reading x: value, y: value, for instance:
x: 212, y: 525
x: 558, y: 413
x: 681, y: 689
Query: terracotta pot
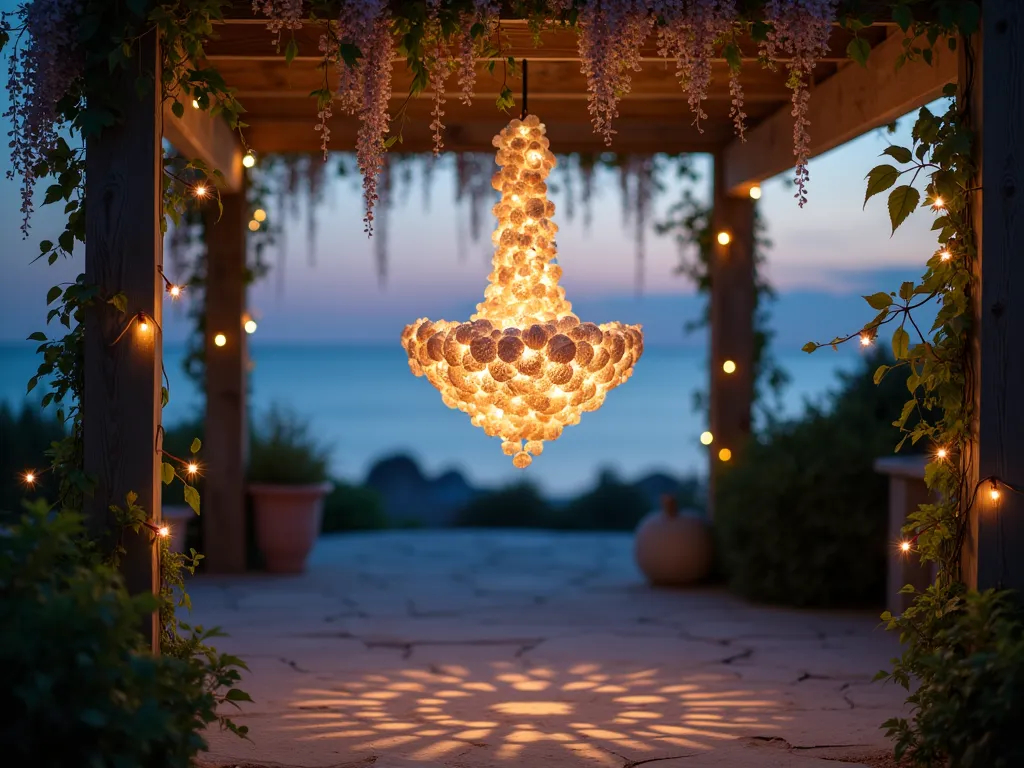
x: 287, y: 523
x: 176, y: 518
x: 673, y: 549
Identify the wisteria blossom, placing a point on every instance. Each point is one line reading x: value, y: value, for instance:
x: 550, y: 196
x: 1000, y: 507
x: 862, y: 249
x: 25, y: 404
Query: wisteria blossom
x: 438, y: 66
x: 281, y: 15
x: 485, y: 13
x: 800, y: 28
x: 44, y: 63
x: 690, y: 34
x: 366, y: 87
x: 611, y: 35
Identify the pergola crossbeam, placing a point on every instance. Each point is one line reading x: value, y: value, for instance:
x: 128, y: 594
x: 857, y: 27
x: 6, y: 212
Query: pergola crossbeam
x: 198, y: 135
x: 850, y: 103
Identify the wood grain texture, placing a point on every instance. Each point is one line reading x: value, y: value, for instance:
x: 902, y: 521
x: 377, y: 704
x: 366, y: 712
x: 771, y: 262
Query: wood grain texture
x: 225, y: 446
x: 732, y: 302
x: 198, y: 136
x: 852, y: 102
x: 994, y: 553
x: 121, y: 401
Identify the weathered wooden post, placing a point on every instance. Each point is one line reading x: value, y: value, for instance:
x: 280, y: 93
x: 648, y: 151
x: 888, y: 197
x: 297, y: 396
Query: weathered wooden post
x: 225, y: 444
x: 123, y: 254
x: 731, y: 386
x: 992, y: 68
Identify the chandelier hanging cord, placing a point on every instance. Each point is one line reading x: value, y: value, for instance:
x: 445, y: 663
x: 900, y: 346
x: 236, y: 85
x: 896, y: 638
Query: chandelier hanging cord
x: 526, y: 75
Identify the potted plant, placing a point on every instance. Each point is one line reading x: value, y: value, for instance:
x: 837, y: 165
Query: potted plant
x: 287, y: 483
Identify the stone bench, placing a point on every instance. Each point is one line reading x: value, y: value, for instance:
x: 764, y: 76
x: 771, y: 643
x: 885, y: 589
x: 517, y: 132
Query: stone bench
x: 907, y: 492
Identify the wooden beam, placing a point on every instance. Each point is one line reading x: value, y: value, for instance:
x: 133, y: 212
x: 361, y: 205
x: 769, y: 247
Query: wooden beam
x: 851, y: 102
x: 733, y: 299
x: 123, y: 253
x: 249, y: 38
x: 197, y: 135
x: 994, y: 549
x: 224, y: 448
x: 634, y: 136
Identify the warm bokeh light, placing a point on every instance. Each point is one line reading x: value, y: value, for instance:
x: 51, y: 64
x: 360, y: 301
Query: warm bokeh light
x: 865, y: 340
x: 755, y: 192
x: 524, y: 367
x: 905, y: 546
x: 945, y: 256
x: 164, y: 531
x: 174, y: 290
x: 939, y: 203
x: 729, y: 366
x: 725, y: 454
x: 30, y: 477
x: 941, y: 453
x: 250, y: 326
x: 143, y: 325
x: 259, y: 214
x: 249, y: 160
x: 200, y: 190
x: 192, y: 468
x: 724, y: 238
x: 195, y: 104
x: 254, y: 225
x: 220, y: 339
x: 993, y: 493
x: 706, y: 438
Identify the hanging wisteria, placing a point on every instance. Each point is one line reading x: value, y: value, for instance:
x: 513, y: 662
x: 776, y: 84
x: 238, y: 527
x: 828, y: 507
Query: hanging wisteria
x: 446, y: 37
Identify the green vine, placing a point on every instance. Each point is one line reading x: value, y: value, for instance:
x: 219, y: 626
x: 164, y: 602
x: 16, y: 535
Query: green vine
x: 108, y: 38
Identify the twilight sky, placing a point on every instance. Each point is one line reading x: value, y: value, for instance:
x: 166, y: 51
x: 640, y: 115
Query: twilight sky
x: 823, y: 256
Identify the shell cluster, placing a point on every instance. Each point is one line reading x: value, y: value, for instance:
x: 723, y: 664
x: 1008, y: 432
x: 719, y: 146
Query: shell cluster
x: 524, y: 366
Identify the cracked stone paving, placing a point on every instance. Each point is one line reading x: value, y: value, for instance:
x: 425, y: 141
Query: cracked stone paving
x: 471, y: 649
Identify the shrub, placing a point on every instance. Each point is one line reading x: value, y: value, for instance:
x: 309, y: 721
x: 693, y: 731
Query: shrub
x: 79, y: 686
x: 25, y: 437
x: 353, y: 508
x: 967, y: 658
x: 283, y: 452
x: 611, y: 505
x: 514, y: 506
x: 801, y: 516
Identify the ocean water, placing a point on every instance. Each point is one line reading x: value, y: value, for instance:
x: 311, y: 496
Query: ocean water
x: 364, y: 402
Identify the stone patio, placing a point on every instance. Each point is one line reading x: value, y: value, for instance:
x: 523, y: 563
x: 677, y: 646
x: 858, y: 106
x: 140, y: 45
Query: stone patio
x: 469, y: 649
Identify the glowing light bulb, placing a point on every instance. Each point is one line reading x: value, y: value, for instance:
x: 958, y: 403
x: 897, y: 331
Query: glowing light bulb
x: 174, y: 290
x: 725, y: 454
x: 195, y: 103
x: 724, y: 238
x: 164, y: 531
x: 250, y: 326
x: 143, y: 325
x: 905, y: 546
x: 259, y: 214
x: 706, y: 438
x: 200, y: 190
x: 249, y: 160
x: 993, y: 493
x: 254, y: 225
x: 945, y: 256
x: 729, y: 366
x: 755, y: 192
x: 220, y: 339
x: 30, y: 477
x: 865, y: 340
x: 192, y: 468
x: 941, y: 453
x: 939, y: 203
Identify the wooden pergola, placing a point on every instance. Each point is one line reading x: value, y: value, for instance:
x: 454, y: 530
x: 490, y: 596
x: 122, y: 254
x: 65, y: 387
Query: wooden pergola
x: 124, y: 242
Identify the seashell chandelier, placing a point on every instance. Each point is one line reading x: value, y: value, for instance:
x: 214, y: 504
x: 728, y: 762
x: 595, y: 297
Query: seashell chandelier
x: 524, y: 367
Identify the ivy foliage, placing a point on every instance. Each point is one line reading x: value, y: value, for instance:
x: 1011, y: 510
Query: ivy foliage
x: 80, y: 687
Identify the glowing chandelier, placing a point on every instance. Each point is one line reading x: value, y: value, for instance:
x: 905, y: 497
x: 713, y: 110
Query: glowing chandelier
x: 524, y: 366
